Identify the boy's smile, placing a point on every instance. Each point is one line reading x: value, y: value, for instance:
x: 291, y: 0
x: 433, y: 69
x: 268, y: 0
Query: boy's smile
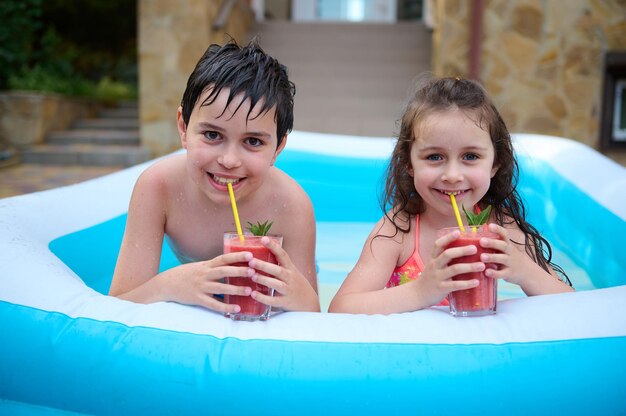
x: 220, y: 180
x: 224, y: 181
x: 229, y: 144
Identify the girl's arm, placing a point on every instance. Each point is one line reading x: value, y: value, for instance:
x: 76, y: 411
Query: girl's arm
x: 364, y: 291
x: 517, y: 267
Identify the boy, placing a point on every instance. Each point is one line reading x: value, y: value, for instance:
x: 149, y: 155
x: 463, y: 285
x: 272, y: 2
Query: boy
x: 235, y: 115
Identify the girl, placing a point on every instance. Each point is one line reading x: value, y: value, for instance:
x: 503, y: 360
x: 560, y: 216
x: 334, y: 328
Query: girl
x: 452, y: 141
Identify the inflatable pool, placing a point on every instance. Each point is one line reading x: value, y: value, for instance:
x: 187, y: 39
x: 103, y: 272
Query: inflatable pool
x: 67, y: 347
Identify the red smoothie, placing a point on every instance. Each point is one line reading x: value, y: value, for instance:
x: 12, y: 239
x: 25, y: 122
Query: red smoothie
x: 251, y: 310
x: 480, y: 300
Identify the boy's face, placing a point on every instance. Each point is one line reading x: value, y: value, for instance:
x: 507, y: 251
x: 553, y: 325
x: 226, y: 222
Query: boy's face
x: 225, y: 145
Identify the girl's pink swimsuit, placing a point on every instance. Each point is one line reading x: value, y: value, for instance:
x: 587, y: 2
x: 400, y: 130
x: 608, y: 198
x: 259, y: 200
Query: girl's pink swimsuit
x: 411, y: 268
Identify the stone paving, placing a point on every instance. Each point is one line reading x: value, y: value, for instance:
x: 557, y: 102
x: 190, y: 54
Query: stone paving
x: 26, y: 178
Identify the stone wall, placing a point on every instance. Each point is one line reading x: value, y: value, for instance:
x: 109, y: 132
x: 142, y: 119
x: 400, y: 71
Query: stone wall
x: 26, y: 117
x: 173, y: 34
x: 541, y: 60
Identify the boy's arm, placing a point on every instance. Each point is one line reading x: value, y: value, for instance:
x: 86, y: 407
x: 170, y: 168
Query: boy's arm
x: 299, y: 241
x: 295, y: 280
x: 140, y: 253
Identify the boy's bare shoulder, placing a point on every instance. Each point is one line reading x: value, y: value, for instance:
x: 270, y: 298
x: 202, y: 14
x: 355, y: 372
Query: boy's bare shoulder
x: 283, y: 198
x: 290, y: 190
x: 162, y: 175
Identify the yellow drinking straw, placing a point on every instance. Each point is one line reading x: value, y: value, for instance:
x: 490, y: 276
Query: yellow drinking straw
x: 233, y: 204
x: 456, y: 212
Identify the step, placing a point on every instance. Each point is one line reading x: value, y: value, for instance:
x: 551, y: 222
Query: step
x: 374, y: 45
x: 333, y: 36
x: 333, y: 120
x: 369, y: 115
x: 334, y: 31
x: 350, y: 78
x: 356, y: 88
x: 9, y: 156
x: 107, y: 123
x: 127, y: 104
x: 86, y: 154
x: 94, y: 136
x: 377, y: 126
x: 119, y: 112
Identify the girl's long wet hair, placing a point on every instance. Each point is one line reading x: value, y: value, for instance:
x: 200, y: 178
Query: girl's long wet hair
x: 438, y: 95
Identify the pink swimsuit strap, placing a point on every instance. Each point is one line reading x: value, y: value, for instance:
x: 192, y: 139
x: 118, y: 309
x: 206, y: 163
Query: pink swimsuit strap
x: 412, y: 267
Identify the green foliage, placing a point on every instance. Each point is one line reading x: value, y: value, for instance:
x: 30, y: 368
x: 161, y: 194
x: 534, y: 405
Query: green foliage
x: 20, y: 23
x: 260, y: 228
x: 109, y: 90
x: 46, y: 80
x: 99, y: 37
x: 85, y: 48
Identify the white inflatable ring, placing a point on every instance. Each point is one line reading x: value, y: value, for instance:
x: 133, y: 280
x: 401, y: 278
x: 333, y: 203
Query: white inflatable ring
x: 67, y: 347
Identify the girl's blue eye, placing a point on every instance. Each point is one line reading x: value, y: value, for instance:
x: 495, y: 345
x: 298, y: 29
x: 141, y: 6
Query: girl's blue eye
x: 471, y: 156
x: 434, y: 157
x: 212, y: 135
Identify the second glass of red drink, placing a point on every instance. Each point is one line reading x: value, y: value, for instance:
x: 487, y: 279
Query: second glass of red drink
x: 482, y: 299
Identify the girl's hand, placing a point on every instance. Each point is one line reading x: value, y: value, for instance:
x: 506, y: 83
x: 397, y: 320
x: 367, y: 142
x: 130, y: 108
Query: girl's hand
x: 516, y: 266
x: 292, y: 291
x: 513, y: 262
x: 435, y: 282
x: 197, y: 283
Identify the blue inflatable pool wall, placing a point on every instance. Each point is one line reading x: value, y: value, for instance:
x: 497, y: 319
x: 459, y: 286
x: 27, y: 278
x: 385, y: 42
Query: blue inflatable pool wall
x: 67, y: 347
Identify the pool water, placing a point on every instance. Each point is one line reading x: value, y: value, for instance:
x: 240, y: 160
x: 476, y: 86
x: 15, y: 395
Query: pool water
x: 339, y: 246
x: 92, y: 253
x: 344, y: 192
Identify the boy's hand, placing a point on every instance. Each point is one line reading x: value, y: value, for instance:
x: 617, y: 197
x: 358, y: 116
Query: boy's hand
x: 293, y: 292
x: 197, y: 283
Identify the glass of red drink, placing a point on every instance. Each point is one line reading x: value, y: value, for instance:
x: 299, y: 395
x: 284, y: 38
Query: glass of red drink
x: 251, y: 310
x: 482, y: 299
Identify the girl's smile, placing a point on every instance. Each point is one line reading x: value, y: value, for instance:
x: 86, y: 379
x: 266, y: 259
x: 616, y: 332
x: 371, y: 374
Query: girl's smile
x: 455, y: 193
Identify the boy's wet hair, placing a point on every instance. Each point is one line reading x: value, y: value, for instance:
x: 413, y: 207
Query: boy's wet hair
x: 246, y: 70
x: 437, y: 96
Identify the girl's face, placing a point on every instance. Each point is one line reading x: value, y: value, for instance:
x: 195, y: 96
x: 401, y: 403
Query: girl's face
x: 451, y: 155
x: 228, y: 146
